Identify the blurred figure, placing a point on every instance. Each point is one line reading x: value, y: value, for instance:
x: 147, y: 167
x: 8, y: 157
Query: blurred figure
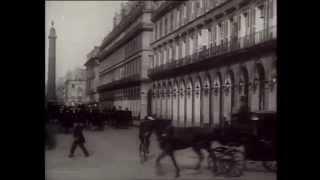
x: 79, y: 140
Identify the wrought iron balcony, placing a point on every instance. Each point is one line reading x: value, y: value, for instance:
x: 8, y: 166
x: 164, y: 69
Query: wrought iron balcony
x: 126, y: 81
x: 225, y: 47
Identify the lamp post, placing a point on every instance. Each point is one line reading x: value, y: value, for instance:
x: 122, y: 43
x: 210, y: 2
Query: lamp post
x: 255, y: 84
x: 241, y: 86
x: 216, y: 88
x: 255, y: 124
x: 227, y: 87
x: 272, y: 83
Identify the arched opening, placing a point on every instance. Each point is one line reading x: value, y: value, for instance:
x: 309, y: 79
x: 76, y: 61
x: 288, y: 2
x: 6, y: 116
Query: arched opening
x: 175, y: 104
x: 154, y: 99
x: 244, y: 87
x: 228, y: 91
x: 164, y: 101
x: 258, y: 87
x: 189, y: 103
x: 206, y: 101
x: 149, y: 102
x: 181, y: 121
x: 273, y: 87
x: 197, y: 103
x: 169, y: 101
x: 160, y: 101
x: 217, y: 99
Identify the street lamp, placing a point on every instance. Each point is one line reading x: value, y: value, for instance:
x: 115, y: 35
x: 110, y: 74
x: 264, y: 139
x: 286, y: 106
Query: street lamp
x: 197, y: 90
x: 272, y: 83
x: 216, y: 87
x: 227, y: 87
x: 255, y: 124
x: 255, y: 84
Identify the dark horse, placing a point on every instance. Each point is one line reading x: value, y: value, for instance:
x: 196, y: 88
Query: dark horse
x: 178, y: 138
x: 146, y: 128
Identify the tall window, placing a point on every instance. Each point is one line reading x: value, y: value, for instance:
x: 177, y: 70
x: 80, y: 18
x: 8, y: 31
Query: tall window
x: 218, y: 33
x: 164, y: 55
x: 165, y: 25
x: 192, y: 8
x: 191, y: 44
x: 177, y: 50
x: 160, y: 28
x: 184, y: 13
x: 183, y: 47
x: 178, y: 18
x: 171, y: 20
x: 210, y: 38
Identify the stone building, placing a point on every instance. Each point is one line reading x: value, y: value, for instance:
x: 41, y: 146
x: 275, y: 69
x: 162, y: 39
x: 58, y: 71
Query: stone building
x: 75, y: 85
x: 124, y: 57
x: 92, y: 76
x: 209, y: 54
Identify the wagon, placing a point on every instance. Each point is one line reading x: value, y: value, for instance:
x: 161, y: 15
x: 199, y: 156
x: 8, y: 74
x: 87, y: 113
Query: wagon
x: 257, y: 133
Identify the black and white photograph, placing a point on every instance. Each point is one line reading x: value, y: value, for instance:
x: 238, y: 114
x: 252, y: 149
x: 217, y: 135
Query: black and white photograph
x: 161, y: 90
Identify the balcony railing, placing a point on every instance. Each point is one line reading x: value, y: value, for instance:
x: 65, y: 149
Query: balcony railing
x: 121, y: 82
x: 226, y: 46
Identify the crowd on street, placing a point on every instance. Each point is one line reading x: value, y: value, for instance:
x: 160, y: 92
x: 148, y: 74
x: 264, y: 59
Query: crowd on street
x: 89, y: 116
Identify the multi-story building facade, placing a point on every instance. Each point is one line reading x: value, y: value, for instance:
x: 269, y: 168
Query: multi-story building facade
x: 124, y: 57
x: 75, y: 85
x: 92, y: 76
x: 209, y: 54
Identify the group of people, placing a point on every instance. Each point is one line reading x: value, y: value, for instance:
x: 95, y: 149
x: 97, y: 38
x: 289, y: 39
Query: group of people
x: 92, y: 117
x: 76, y: 118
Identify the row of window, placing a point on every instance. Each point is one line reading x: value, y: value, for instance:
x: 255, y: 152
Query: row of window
x: 251, y: 21
x: 128, y: 69
x: 182, y: 14
x: 133, y: 46
x: 190, y: 10
x: 132, y: 92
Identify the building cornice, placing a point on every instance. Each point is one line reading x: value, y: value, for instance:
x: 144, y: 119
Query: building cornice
x: 210, y: 16
x: 164, y: 8
x: 126, y: 21
x: 126, y: 60
x: 92, y: 62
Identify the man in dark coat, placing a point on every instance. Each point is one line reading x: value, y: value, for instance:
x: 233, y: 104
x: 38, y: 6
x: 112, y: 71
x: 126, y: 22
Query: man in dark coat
x: 79, y: 140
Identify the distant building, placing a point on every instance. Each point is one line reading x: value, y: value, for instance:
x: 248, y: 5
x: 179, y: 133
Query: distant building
x: 75, y: 86
x: 60, y: 90
x: 92, y: 76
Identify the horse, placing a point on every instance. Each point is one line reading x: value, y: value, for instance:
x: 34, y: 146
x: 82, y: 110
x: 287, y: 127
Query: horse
x: 146, y: 128
x: 172, y: 139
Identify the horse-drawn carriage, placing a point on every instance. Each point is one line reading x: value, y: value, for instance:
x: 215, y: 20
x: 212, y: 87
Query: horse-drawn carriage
x: 251, y: 137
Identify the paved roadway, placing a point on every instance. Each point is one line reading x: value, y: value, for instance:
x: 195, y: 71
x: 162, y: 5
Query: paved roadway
x: 114, y: 155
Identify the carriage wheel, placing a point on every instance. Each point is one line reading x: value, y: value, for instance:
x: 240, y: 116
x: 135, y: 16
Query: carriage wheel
x: 238, y: 164
x: 270, y: 165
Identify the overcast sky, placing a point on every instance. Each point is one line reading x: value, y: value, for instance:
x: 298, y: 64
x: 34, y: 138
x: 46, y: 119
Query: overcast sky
x: 80, y: 25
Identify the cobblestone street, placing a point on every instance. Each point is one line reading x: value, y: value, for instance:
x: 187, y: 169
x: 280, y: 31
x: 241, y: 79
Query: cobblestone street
x: 114, y: 155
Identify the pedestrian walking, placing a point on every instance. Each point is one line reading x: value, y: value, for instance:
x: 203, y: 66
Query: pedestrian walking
x: 79, y: 140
